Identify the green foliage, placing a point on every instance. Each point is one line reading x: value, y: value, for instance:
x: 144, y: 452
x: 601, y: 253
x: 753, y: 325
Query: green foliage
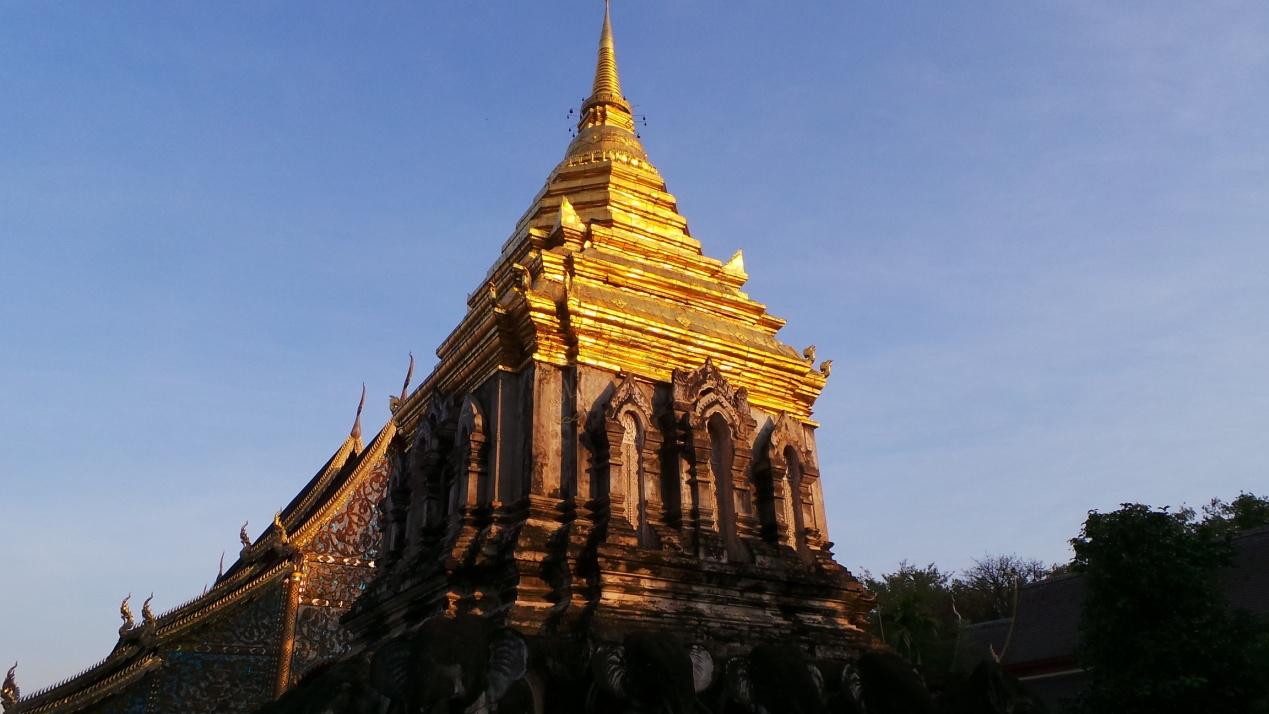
x: 1156, y: 634
x: 914, y: 613
x: 986, y: 590
x: 917, y: 608
x: 1243, y: 513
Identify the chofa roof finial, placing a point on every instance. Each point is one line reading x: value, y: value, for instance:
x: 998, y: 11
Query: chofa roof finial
x: 394, y: 403
x: 356, y: 427
x: 9, y: 692
x: 409, y: 375
x: 283, y: 538
x: 125, y: 614
x: 148, y: 620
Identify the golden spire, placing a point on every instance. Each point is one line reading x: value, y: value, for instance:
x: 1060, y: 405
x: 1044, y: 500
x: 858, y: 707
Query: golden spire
x: 607, y: 82
x: 606, y: 129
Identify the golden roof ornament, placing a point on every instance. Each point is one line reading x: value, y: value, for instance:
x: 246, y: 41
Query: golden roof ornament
x: 242, y: 535
x: 9, y: 692
x: 826, y: 367
x: 568, y: 217
x: 283, y: 538
x: 606, y: 127
x: 607, y: 82
x: 148, y: 620
x: 125, y: 614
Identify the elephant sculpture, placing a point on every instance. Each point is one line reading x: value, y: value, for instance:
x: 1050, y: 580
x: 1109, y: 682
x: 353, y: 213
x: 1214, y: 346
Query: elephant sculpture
x: 772, y: 679
x: 463, y: 665
x: 648, y: 674
x: 881, y: 683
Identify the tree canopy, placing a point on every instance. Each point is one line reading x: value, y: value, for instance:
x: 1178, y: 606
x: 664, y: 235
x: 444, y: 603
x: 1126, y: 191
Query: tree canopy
x: 1156, y: 633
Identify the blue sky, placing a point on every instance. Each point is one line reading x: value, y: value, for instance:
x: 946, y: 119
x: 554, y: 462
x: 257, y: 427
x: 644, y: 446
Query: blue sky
x: 1033, y: 237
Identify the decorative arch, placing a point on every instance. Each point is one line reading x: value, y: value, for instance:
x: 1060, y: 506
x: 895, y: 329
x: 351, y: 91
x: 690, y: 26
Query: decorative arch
x: 416, y: 494
x: 717, y: 430
x: 793, y: 489
x: 471, y: 488
x: 633, y: 465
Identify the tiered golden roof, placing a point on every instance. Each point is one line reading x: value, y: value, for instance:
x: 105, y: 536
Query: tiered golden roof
x: 602, y: 271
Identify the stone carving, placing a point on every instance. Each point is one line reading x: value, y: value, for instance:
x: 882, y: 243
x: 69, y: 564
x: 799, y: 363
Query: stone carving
x: 648, y: 673
x: 773, y: 679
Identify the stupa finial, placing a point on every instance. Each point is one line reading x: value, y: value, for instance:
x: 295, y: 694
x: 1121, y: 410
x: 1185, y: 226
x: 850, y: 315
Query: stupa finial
x: 607, y: 81
x: 606, y: 124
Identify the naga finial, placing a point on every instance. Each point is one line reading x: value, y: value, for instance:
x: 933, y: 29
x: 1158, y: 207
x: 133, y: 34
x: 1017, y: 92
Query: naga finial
x: 242, y: 535
x: 356, y: 427
x: 277, y: 523
x: 9, y: 692
x: 125, y: 614
x: 147, y: 615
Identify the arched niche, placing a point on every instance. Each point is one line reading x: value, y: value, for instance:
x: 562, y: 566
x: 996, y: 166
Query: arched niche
x: 793, y: 492
x: 420, y: 500
x: 634, y: 445
x: 470, y: 487
x: 718, y: 430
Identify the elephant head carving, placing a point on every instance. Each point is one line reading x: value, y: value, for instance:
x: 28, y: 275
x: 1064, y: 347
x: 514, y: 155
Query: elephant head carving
x: 648, y: 673
x: 451, y: 665
x: 773, y: 679
x: 882, y: 683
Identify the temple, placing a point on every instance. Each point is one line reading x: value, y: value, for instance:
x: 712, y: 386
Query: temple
x: 606, y: 496
x: 268, y: 619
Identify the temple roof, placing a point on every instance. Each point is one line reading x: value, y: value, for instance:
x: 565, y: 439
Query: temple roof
x: 263, y: 562
x: 602, y: 270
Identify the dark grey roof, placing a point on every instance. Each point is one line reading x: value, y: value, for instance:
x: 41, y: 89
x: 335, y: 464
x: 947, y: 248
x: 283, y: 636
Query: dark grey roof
x: 977, y: 641
x: 1048, y: 614
x: 1048, y: 620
